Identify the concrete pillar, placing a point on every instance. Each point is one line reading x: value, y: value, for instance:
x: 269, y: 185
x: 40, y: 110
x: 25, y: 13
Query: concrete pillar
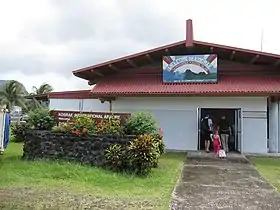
x: 278, y: 128
x: 274, y: 127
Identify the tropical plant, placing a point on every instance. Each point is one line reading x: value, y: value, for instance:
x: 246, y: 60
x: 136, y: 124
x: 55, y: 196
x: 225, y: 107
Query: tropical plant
x: 19, y: 131
x: 62, y: 128
x: 115, y: 158
x: 159, y: 143
x: 138, y: 157
x: 40, y: 119
x: 12, y: 94
x: 141, y: 123
x: 34, y: 103
x: 44, y: 88
x: 158, y: 140
x: 109, y: 126
x: 142, y: 154
x: 82, y: 125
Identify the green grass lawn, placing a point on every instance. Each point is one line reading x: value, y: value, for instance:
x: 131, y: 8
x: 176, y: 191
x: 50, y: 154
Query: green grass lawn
x: 270, y: 169
x: 153, y: 191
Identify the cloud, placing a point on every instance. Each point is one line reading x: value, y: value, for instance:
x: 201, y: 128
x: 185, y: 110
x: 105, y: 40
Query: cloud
x: 77, y: 34
x: 61, y: 83
x: 145, y: 23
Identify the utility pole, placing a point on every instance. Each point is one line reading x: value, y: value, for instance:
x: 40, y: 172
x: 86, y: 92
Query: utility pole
x: 262, y: 40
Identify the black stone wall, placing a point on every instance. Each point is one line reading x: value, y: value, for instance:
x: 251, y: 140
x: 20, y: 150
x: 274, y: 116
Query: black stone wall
x: 70, y: 147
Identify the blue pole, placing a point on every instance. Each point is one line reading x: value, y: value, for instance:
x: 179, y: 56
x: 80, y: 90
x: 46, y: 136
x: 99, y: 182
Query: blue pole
x: 7, y: 129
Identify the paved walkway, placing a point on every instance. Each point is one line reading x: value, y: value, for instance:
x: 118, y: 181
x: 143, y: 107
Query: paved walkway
x: 223, y: 184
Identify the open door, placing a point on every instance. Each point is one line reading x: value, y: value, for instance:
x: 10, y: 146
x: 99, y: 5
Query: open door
x: 198, y: 127
x: 238, y: 129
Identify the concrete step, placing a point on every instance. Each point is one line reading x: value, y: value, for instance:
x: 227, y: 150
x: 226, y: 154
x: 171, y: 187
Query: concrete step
x: 200, y: 157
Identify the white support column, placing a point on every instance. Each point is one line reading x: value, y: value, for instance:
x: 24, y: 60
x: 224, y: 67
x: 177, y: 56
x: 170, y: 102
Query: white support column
x: 278, y: 127
x: 274, y: 127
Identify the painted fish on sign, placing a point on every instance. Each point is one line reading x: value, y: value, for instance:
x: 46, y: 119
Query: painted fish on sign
x: 65, y: 116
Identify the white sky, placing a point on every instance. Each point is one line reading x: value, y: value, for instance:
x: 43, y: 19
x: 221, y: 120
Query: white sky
x: 43, y: 41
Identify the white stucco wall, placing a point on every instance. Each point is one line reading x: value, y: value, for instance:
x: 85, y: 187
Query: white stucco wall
x: 95, y: 105
x: 79, y: 105
x: 178, y: 118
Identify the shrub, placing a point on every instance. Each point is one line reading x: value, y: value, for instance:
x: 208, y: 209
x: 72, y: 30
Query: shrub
x: 139, y: 157
x: 159, y: 143
x: 142, y: 155
x: 158, y: 139
x: 109, y: 126
x: 62, y: 128
x: 82, y: 125
x: 115, y: 158
x: 40, y: 119
x: 19, y: 131
x: 140, y: 123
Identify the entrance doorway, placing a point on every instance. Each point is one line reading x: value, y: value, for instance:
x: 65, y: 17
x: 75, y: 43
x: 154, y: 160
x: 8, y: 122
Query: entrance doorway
x: 234, y: 118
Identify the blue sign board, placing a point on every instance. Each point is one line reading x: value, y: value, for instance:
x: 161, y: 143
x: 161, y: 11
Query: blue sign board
x: 190, y: 68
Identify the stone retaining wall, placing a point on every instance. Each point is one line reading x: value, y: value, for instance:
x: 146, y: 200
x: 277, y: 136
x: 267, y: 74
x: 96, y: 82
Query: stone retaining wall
x: 70, y: 147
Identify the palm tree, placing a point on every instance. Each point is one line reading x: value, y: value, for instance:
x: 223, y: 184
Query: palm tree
x: 12, y: 94
x: 44, y: 88
x: 34, y: 103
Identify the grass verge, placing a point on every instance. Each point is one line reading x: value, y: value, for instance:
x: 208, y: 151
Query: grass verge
x: 270, y: 169
x: 46, y: 183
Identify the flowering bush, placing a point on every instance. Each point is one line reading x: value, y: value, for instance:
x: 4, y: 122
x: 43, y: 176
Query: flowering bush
x: 109, y: 126
x: 81, y: 125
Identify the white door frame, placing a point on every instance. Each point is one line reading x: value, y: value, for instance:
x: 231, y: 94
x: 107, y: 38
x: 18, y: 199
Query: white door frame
x: 239, y: 129
x: 198, y: 119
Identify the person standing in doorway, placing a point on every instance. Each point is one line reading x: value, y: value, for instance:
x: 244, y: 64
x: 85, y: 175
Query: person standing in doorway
x: 206, y: 128
x: 225, y: 132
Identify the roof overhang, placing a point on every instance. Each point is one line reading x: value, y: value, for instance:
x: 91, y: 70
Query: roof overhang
x: 39, y: 97
x: 77, y: 94
x: 106, y: 96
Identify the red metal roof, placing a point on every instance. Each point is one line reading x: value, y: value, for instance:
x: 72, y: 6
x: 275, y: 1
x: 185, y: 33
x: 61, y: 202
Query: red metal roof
x: 152, y: 85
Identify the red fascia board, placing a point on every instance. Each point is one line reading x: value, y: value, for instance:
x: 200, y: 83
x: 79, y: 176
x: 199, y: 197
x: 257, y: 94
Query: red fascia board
x: 130, y: 56
x: 77, y: 94
x: 38, y: 97
x: 237, y: 49
x: 202, y: 94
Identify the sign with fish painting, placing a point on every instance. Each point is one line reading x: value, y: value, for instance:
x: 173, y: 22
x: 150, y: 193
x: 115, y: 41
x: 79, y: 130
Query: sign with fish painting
x: 190, y: 68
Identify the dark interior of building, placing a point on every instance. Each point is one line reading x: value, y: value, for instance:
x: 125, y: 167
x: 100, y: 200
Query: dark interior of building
x: 216, y: 115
